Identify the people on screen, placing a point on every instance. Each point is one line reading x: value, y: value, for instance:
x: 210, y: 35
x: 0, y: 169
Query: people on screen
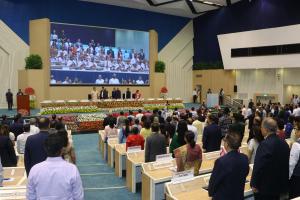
x: 99, y: 80
x: 114, y: 80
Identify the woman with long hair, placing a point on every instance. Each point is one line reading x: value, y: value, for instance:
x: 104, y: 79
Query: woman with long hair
x: 190, y: 155
x: 178, y: 138
x: 256, y: 139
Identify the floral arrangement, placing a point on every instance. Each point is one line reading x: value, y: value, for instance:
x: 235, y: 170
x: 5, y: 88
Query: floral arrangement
x: 91, y: 117
x: 91, y: 126
x: 65, y: 109
x: 32, y: 98
x: 163, y: 90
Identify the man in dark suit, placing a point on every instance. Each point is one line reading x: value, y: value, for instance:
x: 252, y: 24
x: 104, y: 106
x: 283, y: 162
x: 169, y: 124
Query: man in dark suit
x: 17, y: 126
x: 128, y: 94
x: 229, y: 174
x: 155, y: 144
x: 101, y: 94
x: 9, y: 99
x: 113, y: 94
x: 212, y: 135
x: 118, y: 94
x: 34, y: 147
x: 105, y: 94
x: 270, y: 174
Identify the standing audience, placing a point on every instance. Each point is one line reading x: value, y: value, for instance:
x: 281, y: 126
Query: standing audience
x: 155, y: 144
x: 212, y: 135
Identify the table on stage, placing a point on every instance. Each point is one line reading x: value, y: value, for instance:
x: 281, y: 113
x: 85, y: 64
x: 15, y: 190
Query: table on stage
x: 120, y: 159
x: 134, y: 169
x: 196, y: 188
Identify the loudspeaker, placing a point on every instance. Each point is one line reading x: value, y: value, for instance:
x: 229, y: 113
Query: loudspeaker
x: 235, y: 88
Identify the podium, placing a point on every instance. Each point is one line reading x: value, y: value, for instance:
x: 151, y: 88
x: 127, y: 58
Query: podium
x: 23, y: 104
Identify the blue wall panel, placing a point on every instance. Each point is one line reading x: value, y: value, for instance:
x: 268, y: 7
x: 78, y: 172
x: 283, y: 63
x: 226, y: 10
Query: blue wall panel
x: 17, y: 13
x: 242, y: 16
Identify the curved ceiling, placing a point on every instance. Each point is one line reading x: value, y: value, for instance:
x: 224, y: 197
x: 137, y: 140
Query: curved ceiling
x: 183, y: 8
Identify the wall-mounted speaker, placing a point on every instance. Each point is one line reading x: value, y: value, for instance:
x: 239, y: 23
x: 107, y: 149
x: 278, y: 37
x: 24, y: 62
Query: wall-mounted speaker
x: 235, y: 89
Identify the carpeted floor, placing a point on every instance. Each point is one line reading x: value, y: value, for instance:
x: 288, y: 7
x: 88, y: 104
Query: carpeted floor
x: 99, y: 180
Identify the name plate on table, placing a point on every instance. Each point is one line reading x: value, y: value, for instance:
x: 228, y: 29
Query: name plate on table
x: 180, y: 177
x: 163, y: 161
x: 134, y: 149
x: 214, y: 155
x: 164, y: 157
x: 113, y: 140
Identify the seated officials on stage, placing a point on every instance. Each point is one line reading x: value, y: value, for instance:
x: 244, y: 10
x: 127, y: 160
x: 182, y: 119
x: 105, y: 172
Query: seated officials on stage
x: 137, y: 95
x: 178, y: 139
x: 270, y: 174
x: 190, y: 155
x: 155, y: 144
x: 135, y: 139
x: 114, y: 80
x: 294, y: 174
x: 54, y: 178
x: 7, y: 151
x: 128, y: 94
x: 34, y: 147
x: 99, y: 80
x: 229, y: 174
x: 212, y: 135
x: 94, y: 94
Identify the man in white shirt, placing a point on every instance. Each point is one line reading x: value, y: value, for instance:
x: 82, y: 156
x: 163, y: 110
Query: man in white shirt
x: 194, y: 95
x: 99, y: 80
x: 114, y: 80
x: 52, y: 81
x: 296, y: 111
x: 21, y: 139
x: 192, y: 128
x: 244, y: 111
x: 66, y: 81
x: 33, y: 128
x: 54, y: 178
x: 139, y: 115
x: 140, y: 81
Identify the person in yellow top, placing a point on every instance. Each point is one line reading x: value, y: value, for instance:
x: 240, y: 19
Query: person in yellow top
x: 94, y: 94
x: 146, y: 130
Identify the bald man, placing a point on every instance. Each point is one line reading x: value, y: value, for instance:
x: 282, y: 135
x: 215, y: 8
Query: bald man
x: 270, y: 174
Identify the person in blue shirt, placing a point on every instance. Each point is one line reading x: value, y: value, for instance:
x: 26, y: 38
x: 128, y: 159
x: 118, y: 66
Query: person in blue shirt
x: 289, y: 127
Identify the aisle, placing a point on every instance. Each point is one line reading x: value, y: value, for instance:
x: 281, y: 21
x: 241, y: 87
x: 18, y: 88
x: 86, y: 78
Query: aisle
x: 99, y: 180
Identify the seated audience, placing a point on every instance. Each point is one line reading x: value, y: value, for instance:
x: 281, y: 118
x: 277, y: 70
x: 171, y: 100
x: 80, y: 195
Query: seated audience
x: 34, y: 147
x: 271, y: 165
x: 155, y: 144
x: 190, y: 155
x: 212, y: 135
x: 229, y: 174
x: 135, y: 139
x: 54, y: 178
x: 178, y: 138
x: 146, y: 130
x: 256, y: 140
x: 294, y: 171
x: 21, y: 139
x: 7, y: 151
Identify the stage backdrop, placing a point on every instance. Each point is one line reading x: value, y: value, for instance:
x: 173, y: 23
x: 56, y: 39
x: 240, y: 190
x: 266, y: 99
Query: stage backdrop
x: 39, y: 79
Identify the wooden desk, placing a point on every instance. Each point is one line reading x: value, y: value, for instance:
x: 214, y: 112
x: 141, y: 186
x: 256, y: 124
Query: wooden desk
x: 17, y: 176
x: 194, y: 189
x: 101, y: 143
x: 134, y: 170
x: 111, y: 143
x: 120, y: 159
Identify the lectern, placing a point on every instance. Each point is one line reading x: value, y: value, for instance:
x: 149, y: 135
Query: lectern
x: 23, y: 104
